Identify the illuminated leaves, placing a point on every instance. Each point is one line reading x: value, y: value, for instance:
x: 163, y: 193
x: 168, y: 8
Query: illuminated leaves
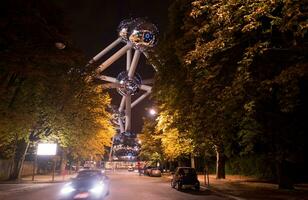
x: 226, y: 65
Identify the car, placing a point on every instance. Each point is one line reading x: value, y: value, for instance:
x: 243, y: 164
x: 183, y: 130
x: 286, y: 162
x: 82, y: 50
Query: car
x: 155, y: 172
x: 130, y: 169
x: 147, y: 170
x: 88, y: 184
x: 185, y: 176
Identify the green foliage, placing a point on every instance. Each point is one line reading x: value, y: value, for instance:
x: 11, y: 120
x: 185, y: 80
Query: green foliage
x: 150, y: 146
x: 252, y: 166
x: 234, y: 74
x: 42, y: 94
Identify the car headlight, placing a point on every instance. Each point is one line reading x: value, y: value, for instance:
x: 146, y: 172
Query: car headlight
x: 98, y: 188
x: 67, y: 189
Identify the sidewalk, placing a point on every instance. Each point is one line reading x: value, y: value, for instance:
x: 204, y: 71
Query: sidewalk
x: 48, y: 178
x: 241, y: 187
x: 42, y: 179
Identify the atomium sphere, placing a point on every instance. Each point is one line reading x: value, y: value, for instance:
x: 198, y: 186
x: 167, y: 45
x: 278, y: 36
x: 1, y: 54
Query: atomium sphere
x: 143, y: 35
x: 128, y: 86
x: 124, y: 27
x: 127, y: 133
x: 116, y: 116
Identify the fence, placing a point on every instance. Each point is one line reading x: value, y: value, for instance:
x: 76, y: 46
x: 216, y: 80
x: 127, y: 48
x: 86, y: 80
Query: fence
x: 5, y: 168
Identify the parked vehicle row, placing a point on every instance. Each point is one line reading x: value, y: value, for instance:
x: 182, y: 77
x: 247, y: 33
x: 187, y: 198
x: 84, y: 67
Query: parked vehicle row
x: 152, y: 171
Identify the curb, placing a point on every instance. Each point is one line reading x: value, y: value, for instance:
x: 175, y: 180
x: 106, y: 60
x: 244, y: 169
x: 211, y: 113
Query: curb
x: 215, y: 191
x: 222, y: 194
x: 31, y: 182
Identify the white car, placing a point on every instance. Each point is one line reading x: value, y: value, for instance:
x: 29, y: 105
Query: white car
x: 130, y: 169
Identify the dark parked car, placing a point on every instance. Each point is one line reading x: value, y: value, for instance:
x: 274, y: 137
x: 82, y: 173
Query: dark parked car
x: 88, y: 184
x: 155, y: 172
x: 147, y: 170
x: 185, y: 176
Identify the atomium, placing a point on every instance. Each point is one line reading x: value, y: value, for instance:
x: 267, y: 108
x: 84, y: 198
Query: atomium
x: 139, y: 36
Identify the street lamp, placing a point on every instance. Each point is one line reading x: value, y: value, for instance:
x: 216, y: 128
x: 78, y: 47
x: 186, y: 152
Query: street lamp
x: 152, y: 112
x: 60, y: 45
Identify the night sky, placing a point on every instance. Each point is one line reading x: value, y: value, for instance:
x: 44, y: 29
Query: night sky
x: 93, y: 27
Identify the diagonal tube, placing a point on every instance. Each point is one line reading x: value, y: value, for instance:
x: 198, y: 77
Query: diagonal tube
x: 133, y: 66
x: 128, y: 59
x: 147, y: 56
x: 121, y: 125
x: 122, y: 105
x: 128, y: 113
x: 140, y: 99
x: 107, y: 78
x: 113, y: 58
x: 146, y: 88
x: 106, y: 50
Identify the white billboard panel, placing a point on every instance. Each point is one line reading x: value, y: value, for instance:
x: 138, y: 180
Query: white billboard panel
x: 46, y: 149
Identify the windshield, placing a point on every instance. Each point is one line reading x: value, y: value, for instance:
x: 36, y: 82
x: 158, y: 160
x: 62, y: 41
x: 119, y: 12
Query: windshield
x: 89, y: 174
x: 187, y: 171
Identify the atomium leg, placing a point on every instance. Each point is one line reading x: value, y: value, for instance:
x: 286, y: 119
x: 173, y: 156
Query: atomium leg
x: 107, y: 78
x: 121, y: 125
x: 146, y: 88
x: 140, y: 99
x: 113, y: 58
x: 133, y: 66
x: 122, y: 105
x: 106, y: 50
x: 147, y: 56
x: 128, y: 113
x: 128, y: 59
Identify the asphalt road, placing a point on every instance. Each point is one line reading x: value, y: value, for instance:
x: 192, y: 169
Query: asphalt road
x: 123, y: 186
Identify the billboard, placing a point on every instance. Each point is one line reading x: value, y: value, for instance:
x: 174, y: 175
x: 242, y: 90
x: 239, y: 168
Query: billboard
x: 46, y: 149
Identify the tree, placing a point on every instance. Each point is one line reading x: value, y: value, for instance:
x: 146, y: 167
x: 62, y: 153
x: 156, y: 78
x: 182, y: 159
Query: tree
x: 175, y: 144
x: 240, y: 68
x: 43, y: 94
x: 150, y: 147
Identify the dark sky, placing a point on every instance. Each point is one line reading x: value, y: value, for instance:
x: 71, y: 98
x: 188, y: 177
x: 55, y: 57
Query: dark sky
x: 93, y: 26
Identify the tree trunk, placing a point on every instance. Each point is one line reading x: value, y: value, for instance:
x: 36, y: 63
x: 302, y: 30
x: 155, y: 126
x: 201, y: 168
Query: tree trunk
x: 63, y: 161
x: 220, y: 163
x: 284, y: 170
x: 77, y: 165
x: 22, y: 161
x: 192, y: 161
x: 19, y: 157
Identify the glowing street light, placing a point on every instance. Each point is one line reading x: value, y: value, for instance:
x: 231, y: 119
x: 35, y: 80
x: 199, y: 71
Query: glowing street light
x: 153, y: 112
x: 60, y: 45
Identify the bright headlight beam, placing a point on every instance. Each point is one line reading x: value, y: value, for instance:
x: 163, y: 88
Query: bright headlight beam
x: 97, y: 189
x: 67, y: 189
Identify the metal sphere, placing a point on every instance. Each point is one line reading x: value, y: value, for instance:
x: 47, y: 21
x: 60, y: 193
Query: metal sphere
x: 124, y: 27
x: 116, y: 116
x: 143, y: 35
x: 128, y: 86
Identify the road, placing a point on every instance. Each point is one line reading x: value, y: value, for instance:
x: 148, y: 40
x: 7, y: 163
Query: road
x: 124, y: 185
